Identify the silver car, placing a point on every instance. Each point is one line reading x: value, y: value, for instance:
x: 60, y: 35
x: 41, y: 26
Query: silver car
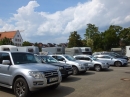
x: 112, y: 60
x: 21, y: 72
x: 92, y: 62
x: 78, y: 66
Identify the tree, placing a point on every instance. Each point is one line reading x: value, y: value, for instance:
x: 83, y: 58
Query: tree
x: 26, y: 43
x: 74, y: 40
x: 124, y: 36
x: 92, y: 36
x: 6, y: 41
x: 110, y: 38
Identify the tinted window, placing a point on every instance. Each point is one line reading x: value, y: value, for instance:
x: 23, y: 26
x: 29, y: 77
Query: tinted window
x: 4, y: 56
x: 59, y: 58
x: 23, y: 58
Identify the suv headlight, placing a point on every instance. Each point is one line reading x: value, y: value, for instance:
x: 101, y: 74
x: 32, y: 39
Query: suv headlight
x: 81, y: 65
x: 60, y: 68
x: 36, y: 74
x: 104, y: 63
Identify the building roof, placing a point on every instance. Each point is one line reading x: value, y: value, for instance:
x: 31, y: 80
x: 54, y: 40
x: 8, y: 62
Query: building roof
x: 7, y: 34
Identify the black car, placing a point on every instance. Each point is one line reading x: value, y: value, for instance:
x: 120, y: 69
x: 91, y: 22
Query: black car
x: 65, y: 69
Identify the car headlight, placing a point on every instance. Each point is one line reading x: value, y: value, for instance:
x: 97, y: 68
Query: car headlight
x: 60, y: 68
x: 36, y: 74
x: 81, y: 65
x: 104, y: 63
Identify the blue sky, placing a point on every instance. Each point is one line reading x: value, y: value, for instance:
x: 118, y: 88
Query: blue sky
x: 52, y: 20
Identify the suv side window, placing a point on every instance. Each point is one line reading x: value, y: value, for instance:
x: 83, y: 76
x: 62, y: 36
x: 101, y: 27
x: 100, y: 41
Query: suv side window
x: 60, y: 58
x: 4, y: 56
x: 77, y: 58
x: 88, y: 59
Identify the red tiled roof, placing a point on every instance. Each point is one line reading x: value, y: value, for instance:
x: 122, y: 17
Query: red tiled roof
x: 8, y: 34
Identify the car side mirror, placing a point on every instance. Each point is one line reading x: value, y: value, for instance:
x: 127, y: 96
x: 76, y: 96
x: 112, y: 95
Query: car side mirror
x: 6, y: 62
x: 64, y: 61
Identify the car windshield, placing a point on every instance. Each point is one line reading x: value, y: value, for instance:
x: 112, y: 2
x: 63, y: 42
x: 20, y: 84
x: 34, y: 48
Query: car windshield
x: 49, y: 59
x: 23, y: 58
x: 93, y: 58
x: 69, y: 58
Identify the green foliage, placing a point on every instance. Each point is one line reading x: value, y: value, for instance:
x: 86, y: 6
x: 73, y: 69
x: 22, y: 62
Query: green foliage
x: 90, y: 43
x: 6, y: 41
x: 75, y: 40
x: 26, y: 43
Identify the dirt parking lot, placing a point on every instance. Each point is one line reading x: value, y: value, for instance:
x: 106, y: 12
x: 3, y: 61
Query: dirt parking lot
x: 114, y: 82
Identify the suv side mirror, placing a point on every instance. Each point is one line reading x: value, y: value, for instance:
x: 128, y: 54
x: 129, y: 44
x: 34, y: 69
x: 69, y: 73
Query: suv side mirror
x: 64, y: 61
x: 6, y: 62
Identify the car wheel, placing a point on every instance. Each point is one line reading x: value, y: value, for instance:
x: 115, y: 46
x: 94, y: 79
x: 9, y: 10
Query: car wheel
x: 75, y: 70
x: 97, y: 67
x: 54, y: 86
x: 21, y: 88
x: 118, y: 64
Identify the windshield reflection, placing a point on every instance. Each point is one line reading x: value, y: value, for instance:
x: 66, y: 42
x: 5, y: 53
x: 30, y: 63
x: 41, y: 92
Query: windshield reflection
x: 23, y: 58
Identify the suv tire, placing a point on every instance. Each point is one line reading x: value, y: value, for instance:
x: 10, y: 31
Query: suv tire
x: 75, y: 70
x: 118, y: 64
x: 21, y: 88
x: 97, y: 67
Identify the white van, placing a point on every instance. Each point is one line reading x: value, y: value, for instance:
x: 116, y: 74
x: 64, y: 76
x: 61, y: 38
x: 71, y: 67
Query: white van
x: 8, y: 48
x: 31, y: 49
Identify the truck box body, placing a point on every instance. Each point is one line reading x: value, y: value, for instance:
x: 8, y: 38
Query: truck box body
x: 128, y: 51
x: 31, y: 49
x: 8, y: 48
x: 73, y: 51
x: 54, y: 50
x: 86, y: 50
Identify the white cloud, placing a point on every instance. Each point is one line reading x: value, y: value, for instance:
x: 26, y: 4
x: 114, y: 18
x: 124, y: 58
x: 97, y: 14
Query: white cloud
x: 99, y: 12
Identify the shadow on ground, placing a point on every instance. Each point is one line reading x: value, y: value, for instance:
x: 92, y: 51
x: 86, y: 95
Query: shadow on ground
x: 9, y: 91
x: 71, y: 79
x: 61, y: 91
x: 87, y: 73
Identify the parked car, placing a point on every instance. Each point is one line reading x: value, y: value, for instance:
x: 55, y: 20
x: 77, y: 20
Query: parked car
x: 21, y: 72
x: 65, y: 69
x: 112, y: 60
x: 92, y: 62
x: 78, y: 66
x: 112, y: 54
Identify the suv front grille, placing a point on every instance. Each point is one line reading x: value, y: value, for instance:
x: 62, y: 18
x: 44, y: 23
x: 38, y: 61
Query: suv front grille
x: 86, y: 64
x: 51, y: 74
x: 68, y: 68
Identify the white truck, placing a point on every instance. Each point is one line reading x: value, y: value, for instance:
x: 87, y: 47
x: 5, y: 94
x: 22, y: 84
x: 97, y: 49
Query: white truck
x: 31, y: 49
x: 73, y: 51
x: 8, y: 48
x: 128, y: 51
x: 54, y: 50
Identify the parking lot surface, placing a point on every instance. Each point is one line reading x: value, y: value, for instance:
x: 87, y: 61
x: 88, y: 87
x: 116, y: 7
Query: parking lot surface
x: 114, y: 82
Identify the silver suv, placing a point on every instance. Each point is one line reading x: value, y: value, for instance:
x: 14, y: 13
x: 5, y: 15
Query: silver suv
x: 112, y: 60
x: 21, y: 72
x: 78, y: 66
x: 92, y: 62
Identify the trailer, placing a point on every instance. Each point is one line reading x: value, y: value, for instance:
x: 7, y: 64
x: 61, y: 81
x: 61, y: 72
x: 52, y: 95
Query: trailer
x: 54, y: 50
x: 8, y: 48
x: 117, y: 50
x: 128, y: 51
x: 73, y: 51
x: 31, y: 49
x: 86, y: 50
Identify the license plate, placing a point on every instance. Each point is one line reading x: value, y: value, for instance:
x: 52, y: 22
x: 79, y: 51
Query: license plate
x: 69, y: 72
x: 53, y: 79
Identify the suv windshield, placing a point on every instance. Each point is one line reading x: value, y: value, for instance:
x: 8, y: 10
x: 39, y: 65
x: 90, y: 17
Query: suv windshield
x: 23, y: 58
x: 49, y: 59
x: 69, y: 58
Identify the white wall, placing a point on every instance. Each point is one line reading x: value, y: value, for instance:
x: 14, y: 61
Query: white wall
x: 18, y: 41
